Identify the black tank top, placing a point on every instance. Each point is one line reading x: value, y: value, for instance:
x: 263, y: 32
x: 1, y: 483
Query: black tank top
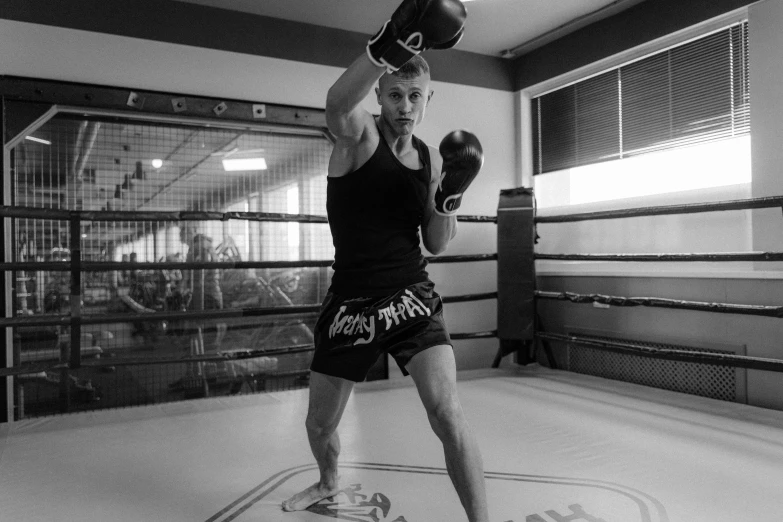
x: 374, y: 215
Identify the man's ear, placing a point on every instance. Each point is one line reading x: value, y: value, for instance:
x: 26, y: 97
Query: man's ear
x: 378, y: 95
x: 429, y: 97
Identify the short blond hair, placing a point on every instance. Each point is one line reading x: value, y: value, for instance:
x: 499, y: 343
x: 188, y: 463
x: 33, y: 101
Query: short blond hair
x: 416, y: 66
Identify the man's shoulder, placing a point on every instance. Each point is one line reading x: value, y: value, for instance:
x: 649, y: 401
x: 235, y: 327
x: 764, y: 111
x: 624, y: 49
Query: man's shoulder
x: 436, y: 162
x: 349, y: 154
x: 369, y: 133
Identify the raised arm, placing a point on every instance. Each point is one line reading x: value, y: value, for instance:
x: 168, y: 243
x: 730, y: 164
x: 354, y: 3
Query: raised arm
x: 415, y: 26
x: 345, y: 117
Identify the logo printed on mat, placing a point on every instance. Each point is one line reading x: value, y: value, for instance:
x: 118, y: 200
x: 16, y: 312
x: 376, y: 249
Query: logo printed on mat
x: 350, y: 504
x: 400, y: 493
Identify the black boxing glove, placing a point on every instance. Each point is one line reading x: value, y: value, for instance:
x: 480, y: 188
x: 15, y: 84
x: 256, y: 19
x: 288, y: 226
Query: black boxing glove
x: 462, y: 159
x: 451, y: 43
x: 415, y: 26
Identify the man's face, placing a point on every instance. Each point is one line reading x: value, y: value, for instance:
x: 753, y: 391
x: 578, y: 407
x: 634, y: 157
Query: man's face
x: 403, y: 101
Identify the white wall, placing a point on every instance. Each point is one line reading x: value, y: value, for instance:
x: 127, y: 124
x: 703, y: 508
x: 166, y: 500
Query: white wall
x: 740, y: 283
x: 766, y: 117
x: 38, y: 51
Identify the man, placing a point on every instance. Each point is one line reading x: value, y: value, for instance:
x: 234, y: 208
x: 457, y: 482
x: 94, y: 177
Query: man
x: 383, y: 185
x: 201, y: 285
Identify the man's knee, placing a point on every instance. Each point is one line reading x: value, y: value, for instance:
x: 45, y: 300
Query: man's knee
x: 446, y: 418
x: 319, y: 427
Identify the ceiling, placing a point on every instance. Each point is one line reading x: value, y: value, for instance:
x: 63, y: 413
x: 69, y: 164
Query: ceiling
x: 493, y: 28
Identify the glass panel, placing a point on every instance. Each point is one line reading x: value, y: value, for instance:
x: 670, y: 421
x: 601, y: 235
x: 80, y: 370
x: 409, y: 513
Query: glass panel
x: 100, y: 163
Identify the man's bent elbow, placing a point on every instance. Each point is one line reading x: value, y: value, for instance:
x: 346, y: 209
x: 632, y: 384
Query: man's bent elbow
x: 436, y: 247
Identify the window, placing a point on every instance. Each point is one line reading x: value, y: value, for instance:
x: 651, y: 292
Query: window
x: 102, y: 162
x: 673, y: 121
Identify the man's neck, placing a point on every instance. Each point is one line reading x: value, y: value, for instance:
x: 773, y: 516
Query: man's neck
x: 398, y: 143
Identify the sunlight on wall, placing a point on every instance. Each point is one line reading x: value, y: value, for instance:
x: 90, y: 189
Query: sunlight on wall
x: 707, y: 165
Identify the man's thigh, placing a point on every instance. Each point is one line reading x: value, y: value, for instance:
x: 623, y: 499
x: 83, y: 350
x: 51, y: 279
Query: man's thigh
x: 434, y: 371
x: 328, y: 397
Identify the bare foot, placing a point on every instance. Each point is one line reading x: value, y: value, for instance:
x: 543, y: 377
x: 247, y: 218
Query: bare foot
x: 309, y: 496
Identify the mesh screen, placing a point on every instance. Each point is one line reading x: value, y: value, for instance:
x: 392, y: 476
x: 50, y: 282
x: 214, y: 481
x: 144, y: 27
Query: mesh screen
x: 706, y: 380
x: 92, y: 163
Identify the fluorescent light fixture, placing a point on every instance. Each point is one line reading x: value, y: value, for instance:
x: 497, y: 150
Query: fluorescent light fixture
x: 157, y: 163
x: 237, y: 164
x: 37, y: 140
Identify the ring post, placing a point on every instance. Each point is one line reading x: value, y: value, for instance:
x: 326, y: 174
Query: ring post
x: 516, y: 274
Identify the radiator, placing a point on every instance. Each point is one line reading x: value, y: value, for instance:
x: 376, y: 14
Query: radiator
x: 706, y: 380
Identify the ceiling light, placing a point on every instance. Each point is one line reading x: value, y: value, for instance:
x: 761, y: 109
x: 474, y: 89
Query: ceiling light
x: 237, y: 164
x: 37, y: 140
x: 157, y: 163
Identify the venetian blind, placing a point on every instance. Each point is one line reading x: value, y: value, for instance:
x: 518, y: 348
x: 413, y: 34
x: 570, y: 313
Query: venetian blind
x: 692, y: 93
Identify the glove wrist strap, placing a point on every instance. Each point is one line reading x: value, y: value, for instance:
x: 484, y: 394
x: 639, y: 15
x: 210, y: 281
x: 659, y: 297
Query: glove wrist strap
x: 447, y: 206
x: 386, y: 49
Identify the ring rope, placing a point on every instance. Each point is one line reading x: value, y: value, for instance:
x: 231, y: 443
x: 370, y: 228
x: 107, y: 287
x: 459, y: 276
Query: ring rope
x: 738, y: 204
x: 469, y: 297
x: 737, y: 361
x: 726, y: 308
x: 98, y: 266
x: 234, y: 355
x: 65, y: 320
x: 145, y: 361
x: 228, y: 313
x: 184, y: 215
x: 474, y: 335
x: 724, y: 256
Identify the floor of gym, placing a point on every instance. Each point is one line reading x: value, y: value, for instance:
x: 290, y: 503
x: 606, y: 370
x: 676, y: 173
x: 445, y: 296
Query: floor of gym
x: 557, y: 446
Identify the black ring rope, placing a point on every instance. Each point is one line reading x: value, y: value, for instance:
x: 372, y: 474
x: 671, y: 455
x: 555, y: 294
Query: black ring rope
x: 86, y: 319
x: 469, y: 297
x: 477, y: 219
x: 235, y: 355
x: 725, y: 256
x: 726, y: 308
x: 184, y: 215
x: 144, y: 361
x: 474, y: 335
x: 462, y: 258
x: 98, y: 266
x: 228, y: 313
x: 739, y: 204
x: 737, y: 361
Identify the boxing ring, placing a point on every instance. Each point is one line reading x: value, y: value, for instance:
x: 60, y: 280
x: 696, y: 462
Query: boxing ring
x: 557, y: 445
